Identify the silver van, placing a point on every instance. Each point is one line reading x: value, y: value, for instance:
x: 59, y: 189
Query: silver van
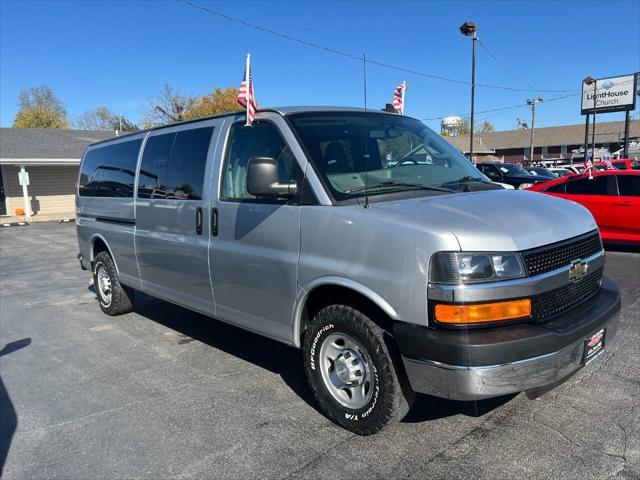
x: 363, y: 238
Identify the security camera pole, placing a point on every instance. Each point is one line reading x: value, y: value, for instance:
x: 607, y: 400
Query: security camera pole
x: 469, y: 29
x: 533, y: 102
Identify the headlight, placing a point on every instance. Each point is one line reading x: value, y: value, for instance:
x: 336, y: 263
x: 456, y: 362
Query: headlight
x: 454, y: 267
x: 522, y: 186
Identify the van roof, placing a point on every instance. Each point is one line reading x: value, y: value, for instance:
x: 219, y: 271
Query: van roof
x: 281, y: 110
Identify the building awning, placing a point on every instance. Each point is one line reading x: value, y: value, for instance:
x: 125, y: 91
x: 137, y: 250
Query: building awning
x: 39, y: 161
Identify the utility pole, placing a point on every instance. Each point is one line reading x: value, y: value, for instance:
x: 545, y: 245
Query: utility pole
x: 469, y: 29
x: 533, y: 102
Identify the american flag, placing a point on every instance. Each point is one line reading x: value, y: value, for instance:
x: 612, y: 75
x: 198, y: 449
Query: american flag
x: 398, y: 97
x: 589, y: 167
x: 589, y: 164
x: 608, y: 164
x: 246, y: 96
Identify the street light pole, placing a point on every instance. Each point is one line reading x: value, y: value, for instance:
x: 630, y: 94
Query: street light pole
x: 533, y: 102
x: 593, y: 132
x: 469, y: 29
x: 590, y: 81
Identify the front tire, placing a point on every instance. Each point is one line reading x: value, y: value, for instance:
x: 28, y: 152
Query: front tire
x: 113, y: 297
x: 354, y: 377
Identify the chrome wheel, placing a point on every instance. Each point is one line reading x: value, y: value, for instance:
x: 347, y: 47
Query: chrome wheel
x: 346, y: 370
x: 104, y: 284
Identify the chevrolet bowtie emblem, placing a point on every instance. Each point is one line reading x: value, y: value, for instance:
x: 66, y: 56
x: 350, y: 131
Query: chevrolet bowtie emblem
x: 578, y: 270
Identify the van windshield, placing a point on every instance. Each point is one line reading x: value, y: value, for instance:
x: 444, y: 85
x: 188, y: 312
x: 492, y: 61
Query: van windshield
x: 396, y: 152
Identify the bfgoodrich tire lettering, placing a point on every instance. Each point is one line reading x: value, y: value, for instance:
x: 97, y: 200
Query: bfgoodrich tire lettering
x: 344, y: 347
x: 114, y: 298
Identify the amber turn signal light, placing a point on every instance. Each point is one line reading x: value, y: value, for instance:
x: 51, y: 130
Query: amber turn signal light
x: 483, y: 312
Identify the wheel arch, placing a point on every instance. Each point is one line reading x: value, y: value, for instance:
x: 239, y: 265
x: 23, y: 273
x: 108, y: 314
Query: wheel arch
x: 318, y: 292
x: 100, y: 244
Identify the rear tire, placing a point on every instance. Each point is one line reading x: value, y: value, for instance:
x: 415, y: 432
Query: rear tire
x: 357, y: 381
x: 114, y: 298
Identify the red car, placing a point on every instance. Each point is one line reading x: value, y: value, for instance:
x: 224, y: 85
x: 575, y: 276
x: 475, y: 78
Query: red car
x: 612, y: 196
x: 620, y: 164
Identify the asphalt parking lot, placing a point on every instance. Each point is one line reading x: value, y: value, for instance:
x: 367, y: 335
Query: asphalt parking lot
x: 167, y: 393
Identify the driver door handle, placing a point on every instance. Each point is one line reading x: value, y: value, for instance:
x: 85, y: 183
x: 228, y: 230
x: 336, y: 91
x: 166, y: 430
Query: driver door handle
x: 214, y: 222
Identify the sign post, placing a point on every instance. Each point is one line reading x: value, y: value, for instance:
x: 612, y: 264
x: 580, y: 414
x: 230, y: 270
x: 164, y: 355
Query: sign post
x: 606, y: 95
x: 625, y: 152
x: 23, y: 180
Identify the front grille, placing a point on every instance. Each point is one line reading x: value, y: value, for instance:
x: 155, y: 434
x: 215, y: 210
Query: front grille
x: 556, y: 255
x: 554, y: 302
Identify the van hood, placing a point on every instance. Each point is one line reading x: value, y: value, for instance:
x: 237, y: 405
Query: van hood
x: 498, y: 220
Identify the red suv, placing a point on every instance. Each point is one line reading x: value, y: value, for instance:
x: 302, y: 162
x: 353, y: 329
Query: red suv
x: 612, y: 196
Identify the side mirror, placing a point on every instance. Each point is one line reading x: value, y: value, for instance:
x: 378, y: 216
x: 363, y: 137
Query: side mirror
x: 262, y: 179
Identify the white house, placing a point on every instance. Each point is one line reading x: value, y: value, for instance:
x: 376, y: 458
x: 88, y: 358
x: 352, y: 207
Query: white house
x: 51, y: 158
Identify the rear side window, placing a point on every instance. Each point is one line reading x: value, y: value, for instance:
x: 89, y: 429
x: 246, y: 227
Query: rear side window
x: 629, y: 185
x: 173, y: 165
x: 109, y: 171
x: 584, y: 186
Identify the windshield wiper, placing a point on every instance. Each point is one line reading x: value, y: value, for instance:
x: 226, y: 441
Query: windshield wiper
x: 392, y: 184
x: 465, y: 179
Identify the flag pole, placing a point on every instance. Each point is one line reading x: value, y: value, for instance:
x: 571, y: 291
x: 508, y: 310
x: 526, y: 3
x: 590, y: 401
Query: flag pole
x: 404, y: 93
x: 247, y: 69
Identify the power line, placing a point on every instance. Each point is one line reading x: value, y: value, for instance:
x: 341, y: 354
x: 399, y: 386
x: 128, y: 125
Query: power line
x: 355, y: 57
x: 500, y: 109
x: 507, y: 69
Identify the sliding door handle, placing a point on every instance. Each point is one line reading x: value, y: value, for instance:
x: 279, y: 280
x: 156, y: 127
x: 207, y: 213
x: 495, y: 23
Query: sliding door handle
x: 199, y: 220
x: 214, y: 222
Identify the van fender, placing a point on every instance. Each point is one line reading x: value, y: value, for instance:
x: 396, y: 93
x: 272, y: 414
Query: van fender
x: 305, y: 291
x: 97, y: 236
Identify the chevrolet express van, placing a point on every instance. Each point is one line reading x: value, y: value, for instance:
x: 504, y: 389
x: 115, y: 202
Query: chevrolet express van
x: 363, y: 238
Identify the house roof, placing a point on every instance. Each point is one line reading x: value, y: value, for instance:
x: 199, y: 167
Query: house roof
x: 462, y: 144
x: 606, y: 132
x: 46, y: 144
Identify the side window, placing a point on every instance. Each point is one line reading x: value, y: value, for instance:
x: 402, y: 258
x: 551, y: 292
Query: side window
x: 629, y: 185
x: 109, y: 171
x: 152, y: 181
x: 262, y: 139
x: 185, y: 176
x: 560, y: 188
x: 173, y: 165
x: 584, y: 186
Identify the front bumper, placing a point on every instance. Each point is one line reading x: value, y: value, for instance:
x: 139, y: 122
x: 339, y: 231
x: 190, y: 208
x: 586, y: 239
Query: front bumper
x: 485, y: 363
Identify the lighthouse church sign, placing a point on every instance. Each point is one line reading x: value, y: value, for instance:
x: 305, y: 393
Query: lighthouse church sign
x: 615, y: 94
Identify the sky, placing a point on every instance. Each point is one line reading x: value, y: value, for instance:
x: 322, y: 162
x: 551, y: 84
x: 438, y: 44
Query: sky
x: 120, y: 53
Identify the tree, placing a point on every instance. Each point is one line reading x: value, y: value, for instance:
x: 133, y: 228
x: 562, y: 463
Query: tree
x: 171, y: 106
x: 102, y: 119
x: 218, y: 101
x: 168, y: 106
x: 484, y: 127
x: 38, y: 107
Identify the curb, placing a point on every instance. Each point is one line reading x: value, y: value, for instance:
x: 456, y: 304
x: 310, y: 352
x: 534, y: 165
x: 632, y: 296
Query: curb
x: 15, y: 224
